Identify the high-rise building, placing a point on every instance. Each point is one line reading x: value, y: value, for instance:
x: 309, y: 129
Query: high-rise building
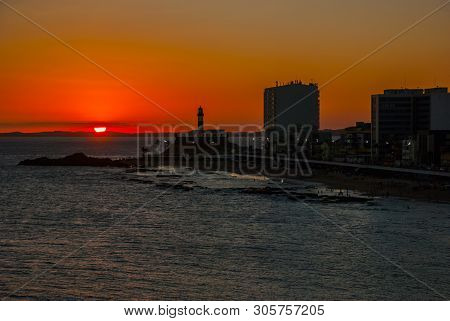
x: 405, y: 117
x: 291, y: 104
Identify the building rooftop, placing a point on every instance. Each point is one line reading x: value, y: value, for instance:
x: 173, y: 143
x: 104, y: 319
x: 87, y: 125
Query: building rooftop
x: 292, y: 83
x: 419, y: 91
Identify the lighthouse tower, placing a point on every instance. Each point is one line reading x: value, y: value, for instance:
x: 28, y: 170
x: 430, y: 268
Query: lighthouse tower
x: 200, y: 118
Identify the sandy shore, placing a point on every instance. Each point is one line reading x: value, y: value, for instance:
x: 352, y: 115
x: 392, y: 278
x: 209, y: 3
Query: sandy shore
x: 431, y: 190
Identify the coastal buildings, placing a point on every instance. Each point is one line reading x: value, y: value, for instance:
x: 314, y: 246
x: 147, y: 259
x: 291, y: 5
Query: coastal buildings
x: 352, y: 144
x: 356, y: 137
x: 290, y: 104
x: 411, y: 126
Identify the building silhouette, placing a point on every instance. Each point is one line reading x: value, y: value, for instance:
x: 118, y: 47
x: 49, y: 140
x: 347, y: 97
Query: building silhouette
x: 200, y: 116
x: 411, y: 126
x: 352, y: 144
x: 201, y: 140
x: 292, y: 104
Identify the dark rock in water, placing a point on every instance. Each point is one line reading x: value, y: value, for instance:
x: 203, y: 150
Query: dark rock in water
x: 183, y: 187
x: 142, y: 169
x: 338, y: 199
x: 264, y: 190
x: 176, y: 186
x: 142, y: 181
x: 199, y: 187
x: 78, y: 159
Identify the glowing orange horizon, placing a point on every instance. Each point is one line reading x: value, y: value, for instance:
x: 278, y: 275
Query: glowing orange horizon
x: 220, y: 55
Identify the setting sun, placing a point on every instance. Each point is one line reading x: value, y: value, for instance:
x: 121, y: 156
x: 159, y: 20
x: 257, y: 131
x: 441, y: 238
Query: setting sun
x: 100, y: 129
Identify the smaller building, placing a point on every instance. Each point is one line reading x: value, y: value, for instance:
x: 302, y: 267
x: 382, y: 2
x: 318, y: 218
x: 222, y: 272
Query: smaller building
x: 358, y: 137
x: 408, y: 152
x: 352, y: 144
x: 321, y: 144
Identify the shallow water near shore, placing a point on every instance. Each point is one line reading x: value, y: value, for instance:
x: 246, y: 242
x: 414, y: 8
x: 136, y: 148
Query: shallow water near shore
x: 94, y: 233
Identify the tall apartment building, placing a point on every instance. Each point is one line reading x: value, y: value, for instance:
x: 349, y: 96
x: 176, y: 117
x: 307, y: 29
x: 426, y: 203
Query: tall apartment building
x: 292, y: 104
x: 405, y: 117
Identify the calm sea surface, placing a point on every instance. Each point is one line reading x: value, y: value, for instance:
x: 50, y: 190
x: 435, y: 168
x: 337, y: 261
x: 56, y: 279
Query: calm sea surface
x: 96, y: 233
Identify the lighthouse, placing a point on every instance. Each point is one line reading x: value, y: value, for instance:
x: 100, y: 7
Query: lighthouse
x: 200, y: 118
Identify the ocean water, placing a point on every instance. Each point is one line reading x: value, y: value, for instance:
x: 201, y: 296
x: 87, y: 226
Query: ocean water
x: 71, y: 233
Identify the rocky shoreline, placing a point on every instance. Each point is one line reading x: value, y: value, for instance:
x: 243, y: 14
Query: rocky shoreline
x: 429, y: 189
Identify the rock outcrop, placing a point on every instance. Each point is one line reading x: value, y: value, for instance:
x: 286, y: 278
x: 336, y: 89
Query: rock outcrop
x: 78, y: 159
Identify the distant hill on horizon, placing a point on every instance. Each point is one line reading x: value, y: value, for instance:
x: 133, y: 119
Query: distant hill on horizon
x: 66, y: 134
x: 93, y: 134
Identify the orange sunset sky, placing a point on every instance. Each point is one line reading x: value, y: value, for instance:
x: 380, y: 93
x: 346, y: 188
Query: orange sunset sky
x: 220, y: 54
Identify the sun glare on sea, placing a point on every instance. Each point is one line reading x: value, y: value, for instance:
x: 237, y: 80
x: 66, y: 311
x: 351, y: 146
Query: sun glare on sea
x: 100, y: 129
